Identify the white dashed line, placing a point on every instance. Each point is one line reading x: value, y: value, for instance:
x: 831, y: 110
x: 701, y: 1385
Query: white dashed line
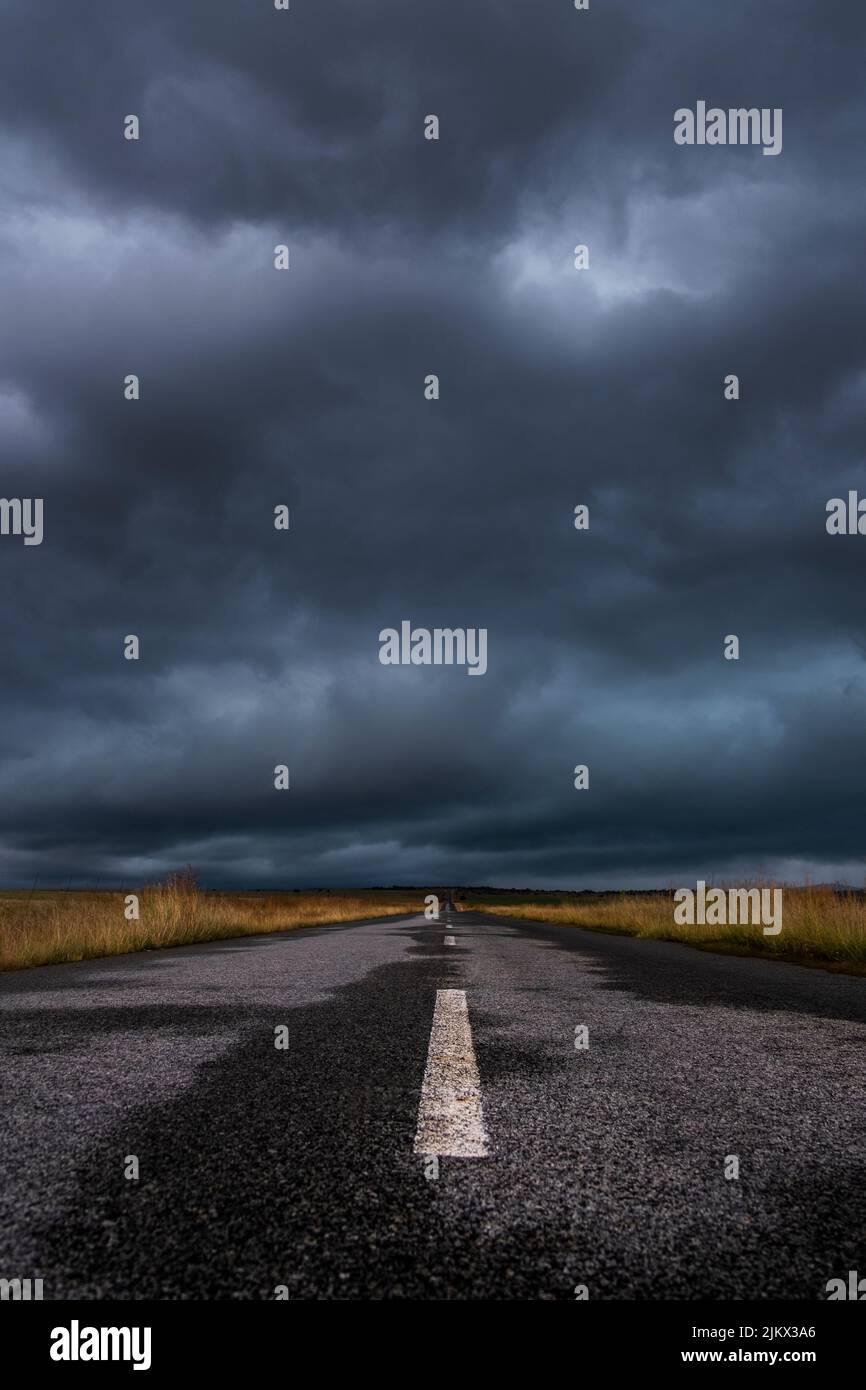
x: 450, y: 1119
x: 451, y: 941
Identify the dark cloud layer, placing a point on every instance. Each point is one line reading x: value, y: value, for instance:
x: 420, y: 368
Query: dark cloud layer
x: 558, y: 387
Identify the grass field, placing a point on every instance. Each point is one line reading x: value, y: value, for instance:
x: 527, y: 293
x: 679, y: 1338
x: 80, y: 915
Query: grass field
x: 44, y: 927
x: 820, y: 925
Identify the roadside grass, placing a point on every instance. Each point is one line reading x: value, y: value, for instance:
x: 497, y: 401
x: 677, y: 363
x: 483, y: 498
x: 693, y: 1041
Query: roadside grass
x: 45, y: 927
x: 820, y: 925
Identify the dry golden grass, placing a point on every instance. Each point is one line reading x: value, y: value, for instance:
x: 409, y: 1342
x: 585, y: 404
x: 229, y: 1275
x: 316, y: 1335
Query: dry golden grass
x: 819, y: 924
x: 45, y: 927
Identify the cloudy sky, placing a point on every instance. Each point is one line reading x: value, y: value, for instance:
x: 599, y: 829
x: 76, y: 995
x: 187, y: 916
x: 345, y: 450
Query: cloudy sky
x: 306, y: 387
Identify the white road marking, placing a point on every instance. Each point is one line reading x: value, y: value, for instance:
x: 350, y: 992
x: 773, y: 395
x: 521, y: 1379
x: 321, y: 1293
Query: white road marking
x: 451, y: 941
x: 450, y: 1119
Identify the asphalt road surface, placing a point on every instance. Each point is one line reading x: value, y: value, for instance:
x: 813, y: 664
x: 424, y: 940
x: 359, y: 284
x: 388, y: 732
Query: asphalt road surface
x: 430, y: 1129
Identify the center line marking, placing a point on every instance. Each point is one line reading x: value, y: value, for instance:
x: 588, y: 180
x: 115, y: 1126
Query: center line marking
x: 450, y: 1119
x: 451, y: 941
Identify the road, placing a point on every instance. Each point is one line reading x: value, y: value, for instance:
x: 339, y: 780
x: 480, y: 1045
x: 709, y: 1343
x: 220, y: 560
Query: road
x: 310, y: 1168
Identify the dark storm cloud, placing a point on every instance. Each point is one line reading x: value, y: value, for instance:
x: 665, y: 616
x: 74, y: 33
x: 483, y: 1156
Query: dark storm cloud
x: 558, y: 387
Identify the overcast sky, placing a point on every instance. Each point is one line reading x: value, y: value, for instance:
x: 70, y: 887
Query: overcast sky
x: 306, y: 387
